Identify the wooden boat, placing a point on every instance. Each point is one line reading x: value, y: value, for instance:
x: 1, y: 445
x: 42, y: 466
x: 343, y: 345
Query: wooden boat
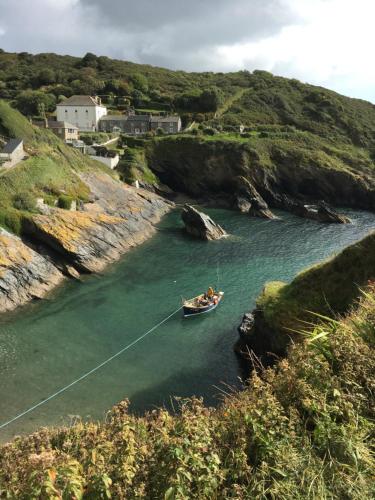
x: 203, y: 303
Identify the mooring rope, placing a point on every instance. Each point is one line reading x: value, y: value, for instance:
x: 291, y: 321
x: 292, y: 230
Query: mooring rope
x: 85, y: 375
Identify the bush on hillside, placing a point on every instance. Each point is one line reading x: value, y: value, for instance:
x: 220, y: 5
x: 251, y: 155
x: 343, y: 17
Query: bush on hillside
x: 24, y: 201
x: 35, y: 103
x: 65, y: 201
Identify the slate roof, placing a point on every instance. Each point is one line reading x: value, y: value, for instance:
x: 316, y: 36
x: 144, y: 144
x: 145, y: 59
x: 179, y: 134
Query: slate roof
x: 56, y: 124
x: 11, y: 145
x: 79, y: 100
x: 114, y: 118
x: 164, y: 119
x: 139, y: 118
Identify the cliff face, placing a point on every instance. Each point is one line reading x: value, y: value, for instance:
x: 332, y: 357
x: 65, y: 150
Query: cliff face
x: 118, y: 218
x: 284, y: 173
x: 24, y: 274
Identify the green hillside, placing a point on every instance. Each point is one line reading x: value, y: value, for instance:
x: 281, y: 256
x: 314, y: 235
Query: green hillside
x: 219, y: 99
x: 326, y: 289
x: 49, y: 171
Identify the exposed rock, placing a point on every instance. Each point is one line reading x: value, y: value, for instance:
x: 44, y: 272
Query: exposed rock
x: 321, y: 212
x: 24, y: 274
x: 118, y: 218
x: 257, y: 337
x: 201, y: 225
x: 71, y: 272
x: 207, y: 170
x: 64, y: 242
x: 248, y: 200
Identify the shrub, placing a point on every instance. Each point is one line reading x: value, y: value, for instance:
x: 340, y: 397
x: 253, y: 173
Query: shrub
x: 209, y: 131
x: 64, y: 201
x: 11, y: 220
x: 24, y: 201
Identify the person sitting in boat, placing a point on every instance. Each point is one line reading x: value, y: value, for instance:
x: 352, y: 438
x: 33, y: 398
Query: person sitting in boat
x: 210, y: 293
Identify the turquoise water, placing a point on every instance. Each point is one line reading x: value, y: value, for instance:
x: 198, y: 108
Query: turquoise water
x: 46, y: 345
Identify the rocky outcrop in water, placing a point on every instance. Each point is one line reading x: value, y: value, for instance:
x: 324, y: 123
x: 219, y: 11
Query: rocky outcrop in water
x: 255, y: 336
x: 63, y: 242
x: 24, y: 273
x: 248, y: 200
x: 200, y: 225
x: 320, y: 212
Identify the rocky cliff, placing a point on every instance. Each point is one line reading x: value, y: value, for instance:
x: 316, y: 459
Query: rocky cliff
x: 24, y: 273
x: 285, y: 173
x: 117, y: 218
x: 102, y: 217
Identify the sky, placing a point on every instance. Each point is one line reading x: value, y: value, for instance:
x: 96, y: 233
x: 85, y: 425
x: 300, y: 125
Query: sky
x: 324, y: 42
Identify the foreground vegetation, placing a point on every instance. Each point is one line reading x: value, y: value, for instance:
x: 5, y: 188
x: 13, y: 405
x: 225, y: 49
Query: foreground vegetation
x: 304, y: 429
x: 326, y: 288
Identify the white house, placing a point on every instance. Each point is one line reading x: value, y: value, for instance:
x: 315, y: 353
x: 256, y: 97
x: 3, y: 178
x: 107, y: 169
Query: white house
x: 12, y: 153
x: 83, y: 111
x: 109, y: 161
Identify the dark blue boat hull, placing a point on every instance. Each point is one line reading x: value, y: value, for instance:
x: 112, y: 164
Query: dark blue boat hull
x: 194, y: 311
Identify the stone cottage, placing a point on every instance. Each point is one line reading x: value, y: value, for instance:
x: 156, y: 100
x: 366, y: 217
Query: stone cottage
x: 66, y: 131
x: 169, y: 124
x: 12, y: 152
x: 139, y: 124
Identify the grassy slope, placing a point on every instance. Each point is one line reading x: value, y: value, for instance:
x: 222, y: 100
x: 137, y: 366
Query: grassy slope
x: 304, y: 429
x: 263, y: 98
x: 49, y: 171
x: 281, y: 101
x: 326, y: 288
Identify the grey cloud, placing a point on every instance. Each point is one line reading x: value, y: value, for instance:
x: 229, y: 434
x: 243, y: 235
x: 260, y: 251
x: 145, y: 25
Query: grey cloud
x: 184, y: 35
x: 211, y: 22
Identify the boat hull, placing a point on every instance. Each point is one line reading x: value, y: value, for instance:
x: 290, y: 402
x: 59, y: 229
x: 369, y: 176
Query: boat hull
x: 195, y: 311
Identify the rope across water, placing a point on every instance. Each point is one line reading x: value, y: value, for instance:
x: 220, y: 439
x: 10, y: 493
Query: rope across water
x: 85, y: 375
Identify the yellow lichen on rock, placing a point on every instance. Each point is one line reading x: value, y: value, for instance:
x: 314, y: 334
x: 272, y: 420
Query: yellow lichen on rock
x: 68, y: 227
x: 13, y: 251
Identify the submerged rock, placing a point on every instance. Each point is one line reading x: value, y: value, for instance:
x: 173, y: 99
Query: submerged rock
x: 200, y: 225
x: 248, y: 200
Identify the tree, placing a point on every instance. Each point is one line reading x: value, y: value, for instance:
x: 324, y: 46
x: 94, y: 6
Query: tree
x: 89, y: 60
x: 140, y: 82
x: 34, y: 102
x: 45, y: 76
x: 211, y: 99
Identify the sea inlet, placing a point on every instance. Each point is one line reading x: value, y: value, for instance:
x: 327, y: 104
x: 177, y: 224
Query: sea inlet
x: 46, y: 345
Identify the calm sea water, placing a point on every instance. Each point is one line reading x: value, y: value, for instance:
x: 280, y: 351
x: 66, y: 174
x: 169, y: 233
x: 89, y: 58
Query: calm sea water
x: 46, y: 345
